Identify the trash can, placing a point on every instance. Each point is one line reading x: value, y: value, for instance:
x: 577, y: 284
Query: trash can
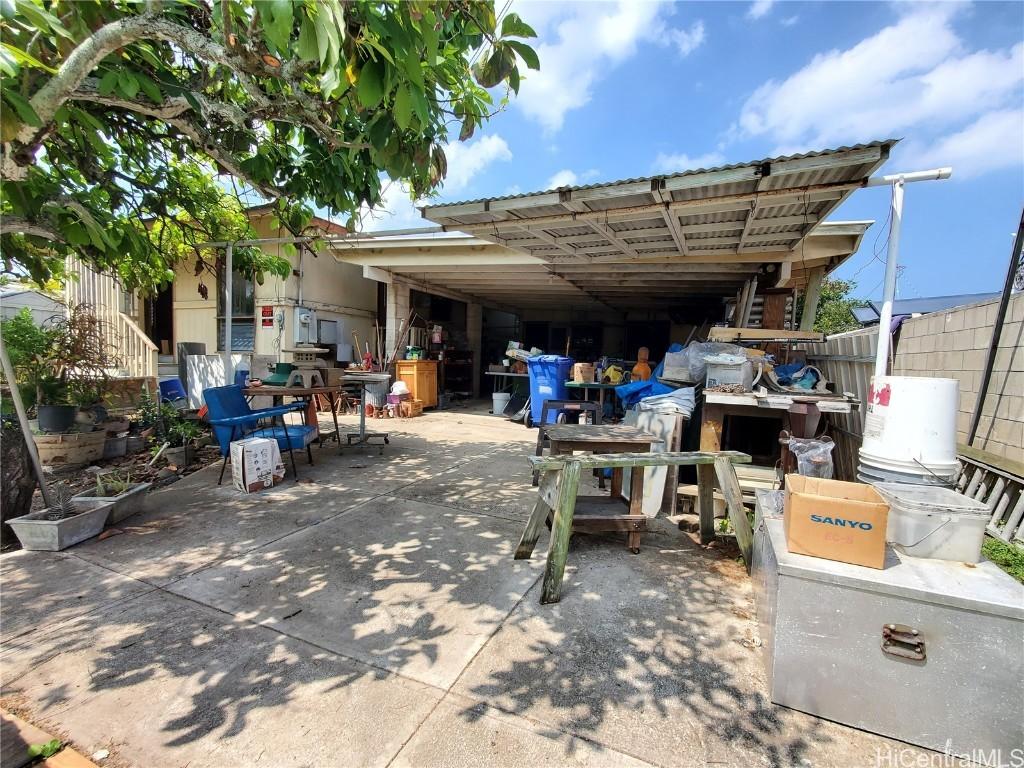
x: 548, y: 374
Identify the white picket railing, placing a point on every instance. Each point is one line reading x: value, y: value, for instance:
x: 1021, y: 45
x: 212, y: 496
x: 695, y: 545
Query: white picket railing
x: 136, y: 353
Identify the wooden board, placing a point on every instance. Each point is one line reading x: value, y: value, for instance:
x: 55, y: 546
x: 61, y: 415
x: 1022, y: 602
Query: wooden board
x: 762, y: 334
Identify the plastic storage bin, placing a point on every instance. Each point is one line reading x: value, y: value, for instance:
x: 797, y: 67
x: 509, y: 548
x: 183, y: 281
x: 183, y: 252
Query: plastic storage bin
x: 935, y: 522
x: 548, y: 374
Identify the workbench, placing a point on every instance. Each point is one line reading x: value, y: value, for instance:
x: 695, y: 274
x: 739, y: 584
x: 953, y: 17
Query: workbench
x: 362, y: 437
x: 599, y: 513
x: 801, y: 411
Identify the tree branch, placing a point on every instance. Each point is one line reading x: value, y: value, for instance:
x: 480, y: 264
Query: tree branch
x: 17, y: 225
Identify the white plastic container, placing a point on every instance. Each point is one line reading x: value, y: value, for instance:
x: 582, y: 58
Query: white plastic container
x: 910, y: 427
x: 926, y: 521
x: 499, y: 401
x: 729, y: 369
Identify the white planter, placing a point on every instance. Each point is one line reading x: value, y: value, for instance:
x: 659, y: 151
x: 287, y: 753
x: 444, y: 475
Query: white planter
x: 123, y: 505
x: 35, y: 532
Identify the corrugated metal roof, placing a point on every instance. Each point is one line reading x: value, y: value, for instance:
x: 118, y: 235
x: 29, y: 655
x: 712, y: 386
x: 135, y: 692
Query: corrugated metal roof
x: 884, y: 143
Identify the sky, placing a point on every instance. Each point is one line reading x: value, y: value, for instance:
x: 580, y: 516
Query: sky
x: 630, y: 89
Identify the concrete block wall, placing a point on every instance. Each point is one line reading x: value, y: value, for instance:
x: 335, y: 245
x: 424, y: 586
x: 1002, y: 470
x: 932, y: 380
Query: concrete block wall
x: 953, y: 344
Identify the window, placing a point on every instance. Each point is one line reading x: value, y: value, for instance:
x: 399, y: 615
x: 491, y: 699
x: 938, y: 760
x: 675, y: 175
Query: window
x: 128, y: 304
x: 243, y: 313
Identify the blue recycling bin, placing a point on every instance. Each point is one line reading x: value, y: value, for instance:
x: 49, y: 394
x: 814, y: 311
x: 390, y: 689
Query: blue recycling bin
x: 548, y: 374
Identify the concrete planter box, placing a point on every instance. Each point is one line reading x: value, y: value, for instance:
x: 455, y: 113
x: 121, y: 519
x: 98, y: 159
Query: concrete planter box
x: 35, y: 532
x: 122, y: 506
x: 70, y: 449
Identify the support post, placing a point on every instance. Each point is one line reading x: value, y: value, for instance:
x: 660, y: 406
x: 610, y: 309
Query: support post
x: 229, y: 373
x: 815, y: 278
x: 26, y: 432
x: 749, y: 308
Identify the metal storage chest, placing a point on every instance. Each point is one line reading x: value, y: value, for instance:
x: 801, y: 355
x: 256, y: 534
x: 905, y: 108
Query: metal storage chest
x: 926, y: 651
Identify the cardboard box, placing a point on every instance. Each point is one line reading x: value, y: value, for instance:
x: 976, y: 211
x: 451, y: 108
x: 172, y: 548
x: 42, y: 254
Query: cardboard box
x: 835, y: 520
x: 583, y: 373
x: 255, y: 464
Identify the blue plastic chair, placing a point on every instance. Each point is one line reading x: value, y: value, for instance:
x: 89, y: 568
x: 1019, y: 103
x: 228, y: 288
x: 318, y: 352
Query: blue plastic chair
x: 171, y: 390
x: 232, y: 419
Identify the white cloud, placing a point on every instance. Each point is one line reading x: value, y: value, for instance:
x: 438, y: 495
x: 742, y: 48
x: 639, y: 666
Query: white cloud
x: 569, y: 178
x: 759, y: 8
x: 789, y: 21
x: 993, y: 141
x: 564, y: 178
x: 680, y: 161
x: 466, y: 160
x: 687, y: 41
x: 914, y: 78
x: 579, y: 42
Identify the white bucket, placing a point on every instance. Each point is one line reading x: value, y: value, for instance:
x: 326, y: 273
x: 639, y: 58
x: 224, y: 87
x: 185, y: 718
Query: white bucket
x: 499, y: 402
x: 925, y: 521
x: 910, y: 426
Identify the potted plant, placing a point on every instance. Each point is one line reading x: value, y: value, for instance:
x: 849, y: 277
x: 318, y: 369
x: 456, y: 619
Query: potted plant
x: 62, y: 525
x: 182, y: 436
x: 64, y: 364
x: 116, y: 489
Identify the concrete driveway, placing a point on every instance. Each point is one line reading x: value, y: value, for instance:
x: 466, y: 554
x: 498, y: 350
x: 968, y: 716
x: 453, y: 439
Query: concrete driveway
x: 372, y: 615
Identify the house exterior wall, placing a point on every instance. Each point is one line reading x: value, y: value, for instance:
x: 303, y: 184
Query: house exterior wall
x: 335, y: 291
x: 954, y: 344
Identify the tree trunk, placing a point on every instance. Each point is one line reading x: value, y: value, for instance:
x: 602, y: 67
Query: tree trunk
x: 17, y: 479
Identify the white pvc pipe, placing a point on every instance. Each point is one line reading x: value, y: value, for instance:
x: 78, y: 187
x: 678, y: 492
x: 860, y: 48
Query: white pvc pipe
x: 229, y: 374
x: 889, y: 291
x: 897, y: 181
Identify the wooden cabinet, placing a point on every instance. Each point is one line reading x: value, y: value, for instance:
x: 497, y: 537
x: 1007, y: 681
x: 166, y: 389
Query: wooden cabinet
x: 420, y: 376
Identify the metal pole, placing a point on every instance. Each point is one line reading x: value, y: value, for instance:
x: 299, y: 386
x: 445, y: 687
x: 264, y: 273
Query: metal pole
x: 889, y: 291
x: 26, y: 432
x: 1004, y: 302
x: 229, y: 374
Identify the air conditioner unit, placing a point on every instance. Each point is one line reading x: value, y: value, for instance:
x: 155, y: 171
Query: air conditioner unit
x: 305, y: 326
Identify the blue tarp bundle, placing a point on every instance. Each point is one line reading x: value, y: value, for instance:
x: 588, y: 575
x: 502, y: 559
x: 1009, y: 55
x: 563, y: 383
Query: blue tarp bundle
x: 632, y: 393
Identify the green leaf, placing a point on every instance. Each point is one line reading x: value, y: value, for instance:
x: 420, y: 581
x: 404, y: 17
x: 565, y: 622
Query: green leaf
x: 327, y: 38
x: 8, y: 64
x: 414, y: 68
x: 108, y: 82
x: 381, y: 50
x: 403, y: 107
x: 277, y: 22
x: 468, y: 128
x: 419, y: 104
x: 127, y: 84
x: 9, y: 125
x: 513, y: 81
x: 150, y: 88
x: 513, y: 26
x: 495, y: 68
x: 49, y: 749
x: 27, y: 59
x: 526, y: 53
x: 307, y: 46
x: 39, y: 18
x: 22, y: 107
x: 370, y: 88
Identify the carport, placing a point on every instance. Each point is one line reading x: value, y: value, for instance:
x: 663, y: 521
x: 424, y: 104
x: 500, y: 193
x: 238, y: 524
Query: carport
x: 683, y: 250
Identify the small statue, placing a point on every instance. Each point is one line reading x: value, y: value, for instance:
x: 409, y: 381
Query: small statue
x: 641, y: 371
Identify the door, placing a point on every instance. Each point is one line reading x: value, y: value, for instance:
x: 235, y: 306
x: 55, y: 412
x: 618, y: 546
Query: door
x: 160, y: 320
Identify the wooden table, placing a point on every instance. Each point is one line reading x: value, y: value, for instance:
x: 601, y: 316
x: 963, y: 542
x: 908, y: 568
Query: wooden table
x: 505, y: 381
x: 597, y: 513
x: 304, y: 393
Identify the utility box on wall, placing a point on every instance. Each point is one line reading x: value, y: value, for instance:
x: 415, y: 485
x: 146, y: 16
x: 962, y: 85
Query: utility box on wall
x: 305, y: 326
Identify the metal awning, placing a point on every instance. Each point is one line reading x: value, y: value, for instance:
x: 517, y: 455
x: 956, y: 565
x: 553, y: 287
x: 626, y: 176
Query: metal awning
x: 731, y: 214
x: 639, y: 243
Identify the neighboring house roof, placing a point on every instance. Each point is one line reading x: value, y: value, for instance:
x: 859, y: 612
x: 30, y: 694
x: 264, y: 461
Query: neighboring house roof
x: 922, y: 306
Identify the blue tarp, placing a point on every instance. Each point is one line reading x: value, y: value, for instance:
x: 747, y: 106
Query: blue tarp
x: 632, y: 393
